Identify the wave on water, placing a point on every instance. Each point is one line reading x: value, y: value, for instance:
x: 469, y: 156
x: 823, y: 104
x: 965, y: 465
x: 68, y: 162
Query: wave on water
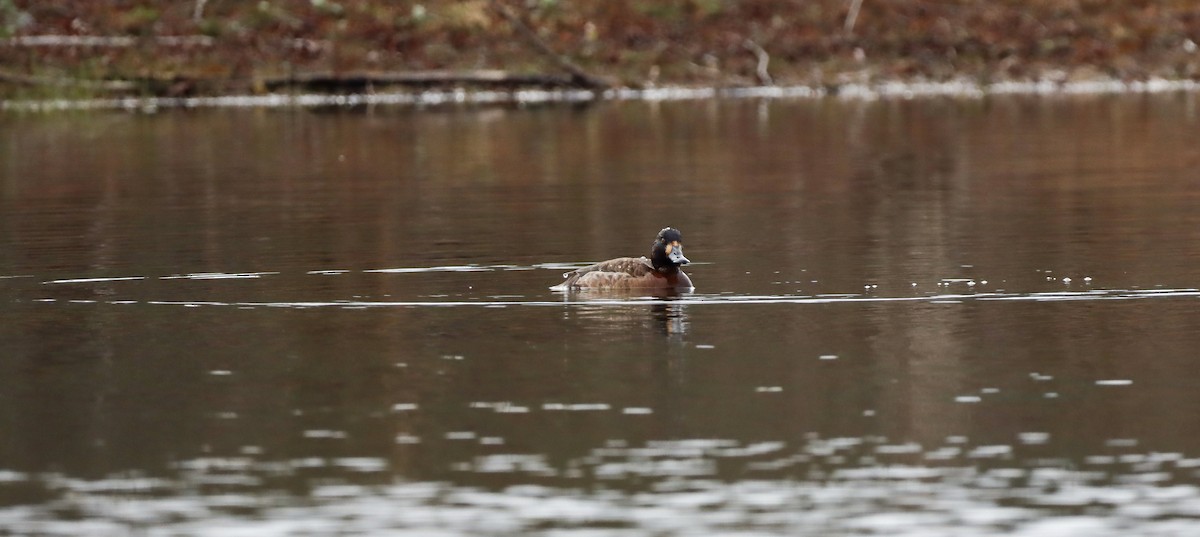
x: 562, y: 298
x: 690, y: 300
x: 322, y: 272
x: 192, y: 276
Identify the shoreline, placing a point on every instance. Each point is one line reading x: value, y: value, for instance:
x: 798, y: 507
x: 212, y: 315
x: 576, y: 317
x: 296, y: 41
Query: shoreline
x: 301, y: 53
x: 960, y: 89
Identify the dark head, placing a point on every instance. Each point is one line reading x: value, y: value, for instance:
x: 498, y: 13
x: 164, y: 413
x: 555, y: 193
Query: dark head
x: 667, y: 251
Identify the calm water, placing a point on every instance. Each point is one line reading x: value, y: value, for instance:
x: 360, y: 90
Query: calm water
x: 927, y: 317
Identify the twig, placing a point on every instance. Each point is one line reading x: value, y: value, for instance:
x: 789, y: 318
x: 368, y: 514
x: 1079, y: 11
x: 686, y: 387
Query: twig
x: 852, y: 15
x: 583, y: 78
x: 764, y: 59
x: 34, y: 41
x: 198, y: 12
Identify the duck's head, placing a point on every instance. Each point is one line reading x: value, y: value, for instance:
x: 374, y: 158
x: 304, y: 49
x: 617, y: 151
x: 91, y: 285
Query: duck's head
x: 667, y: 251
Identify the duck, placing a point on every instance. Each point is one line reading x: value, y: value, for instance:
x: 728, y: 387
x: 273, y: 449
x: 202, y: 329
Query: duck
x: 660, y: 272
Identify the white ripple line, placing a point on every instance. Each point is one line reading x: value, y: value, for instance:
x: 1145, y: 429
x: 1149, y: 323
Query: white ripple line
x: 750, y: 299
x: 569, y: 265
x: 95, y: 280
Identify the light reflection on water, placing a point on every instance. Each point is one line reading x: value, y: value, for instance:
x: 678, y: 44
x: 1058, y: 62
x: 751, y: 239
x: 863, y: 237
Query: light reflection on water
x: 595, y: 299
x: 908, y: 320
x: 824, y: 486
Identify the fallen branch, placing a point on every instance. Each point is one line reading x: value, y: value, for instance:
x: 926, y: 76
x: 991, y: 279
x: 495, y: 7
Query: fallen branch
x: 581, y: 77
x: 311, y: 46
x: 176, y: 85
x: 362, y: 81
x: 102, y: 41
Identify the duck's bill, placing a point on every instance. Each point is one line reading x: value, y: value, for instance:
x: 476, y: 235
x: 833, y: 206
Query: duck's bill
x: 676, y: 256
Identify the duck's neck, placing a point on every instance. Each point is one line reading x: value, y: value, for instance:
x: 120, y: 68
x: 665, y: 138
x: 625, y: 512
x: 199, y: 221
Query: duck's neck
x: 662, y: 264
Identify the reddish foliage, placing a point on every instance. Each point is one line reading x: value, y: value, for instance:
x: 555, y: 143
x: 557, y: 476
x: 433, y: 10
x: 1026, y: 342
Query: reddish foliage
x: 687, y: 41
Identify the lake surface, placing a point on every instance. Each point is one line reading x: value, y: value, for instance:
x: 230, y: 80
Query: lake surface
x: 911, y: 317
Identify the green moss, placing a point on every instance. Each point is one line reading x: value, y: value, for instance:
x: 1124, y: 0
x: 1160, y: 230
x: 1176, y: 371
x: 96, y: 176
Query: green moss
x: 10, y: 18
x: 671, y: 10
x: 139, y: 20
x: 708, y: 8
x: 210, y: 27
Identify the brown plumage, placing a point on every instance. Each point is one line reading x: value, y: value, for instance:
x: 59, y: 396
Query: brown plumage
x: 658, y: 272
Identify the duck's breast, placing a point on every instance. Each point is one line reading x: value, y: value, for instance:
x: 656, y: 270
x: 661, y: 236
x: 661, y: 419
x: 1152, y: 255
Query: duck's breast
x: 683, y: 282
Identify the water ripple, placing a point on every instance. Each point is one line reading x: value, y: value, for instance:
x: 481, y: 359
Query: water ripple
x: 904, y: 489
x: 596, y: 299
x: 567, y: 300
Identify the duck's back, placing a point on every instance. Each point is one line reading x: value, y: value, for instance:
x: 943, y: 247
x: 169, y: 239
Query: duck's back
x: 620, y: 273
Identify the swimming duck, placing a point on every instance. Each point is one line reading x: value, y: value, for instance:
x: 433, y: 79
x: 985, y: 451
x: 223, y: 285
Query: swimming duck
x: 659, y: 272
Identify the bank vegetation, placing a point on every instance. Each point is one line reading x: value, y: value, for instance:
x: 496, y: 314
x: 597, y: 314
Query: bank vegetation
x: 88, y: 48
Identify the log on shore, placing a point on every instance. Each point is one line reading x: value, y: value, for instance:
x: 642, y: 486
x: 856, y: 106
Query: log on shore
x: 358, y: 82
x: 321, y: 82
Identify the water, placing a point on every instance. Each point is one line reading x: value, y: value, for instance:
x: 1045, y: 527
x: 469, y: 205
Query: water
x: 927, y: 317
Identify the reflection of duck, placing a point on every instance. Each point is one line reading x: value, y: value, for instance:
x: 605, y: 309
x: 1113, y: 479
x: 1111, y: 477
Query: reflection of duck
x: 600, y: 314
x: 660, y: 272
